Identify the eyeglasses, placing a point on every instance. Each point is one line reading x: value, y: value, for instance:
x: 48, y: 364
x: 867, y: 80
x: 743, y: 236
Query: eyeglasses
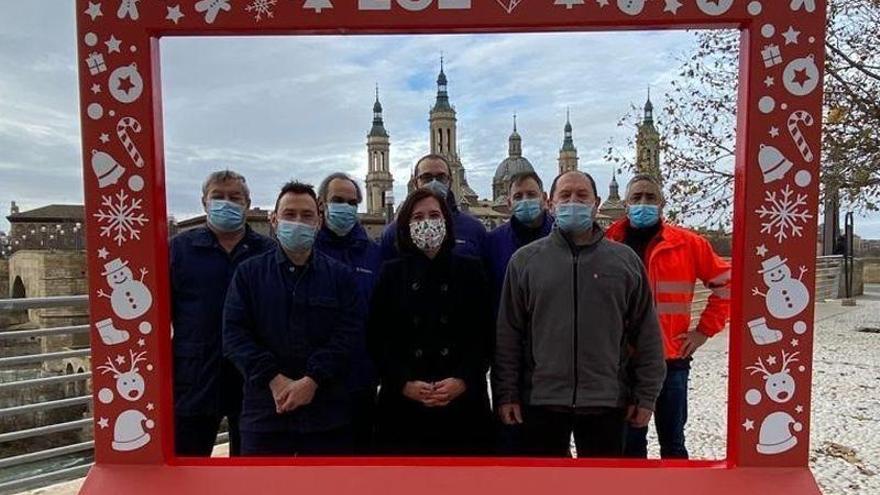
x: 428, y: 177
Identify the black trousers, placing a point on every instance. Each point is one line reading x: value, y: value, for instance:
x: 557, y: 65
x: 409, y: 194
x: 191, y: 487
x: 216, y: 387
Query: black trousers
x: 363, y: 421
x: 547, y: 432
x: 286, y: 443
x: 194, y: 436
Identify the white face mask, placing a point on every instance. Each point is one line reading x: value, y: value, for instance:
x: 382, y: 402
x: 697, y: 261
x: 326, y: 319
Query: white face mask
x: 428, y: 235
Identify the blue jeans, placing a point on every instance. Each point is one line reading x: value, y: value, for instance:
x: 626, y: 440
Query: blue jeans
x: 670, y: 416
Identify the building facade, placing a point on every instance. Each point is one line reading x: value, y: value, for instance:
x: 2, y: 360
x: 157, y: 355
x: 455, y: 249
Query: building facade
x: 648, y: 143
x: 379, y: 182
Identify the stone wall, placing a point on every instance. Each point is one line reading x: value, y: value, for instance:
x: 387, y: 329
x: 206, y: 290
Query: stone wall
x: 4, y: 278
x: 51, y: 273
x: 872, y: 270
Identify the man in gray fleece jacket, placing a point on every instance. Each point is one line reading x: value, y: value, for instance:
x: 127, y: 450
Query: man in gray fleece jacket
x: 578, y: 346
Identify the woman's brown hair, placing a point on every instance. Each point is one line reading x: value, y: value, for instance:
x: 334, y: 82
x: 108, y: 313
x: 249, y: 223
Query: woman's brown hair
x: 405, y: 243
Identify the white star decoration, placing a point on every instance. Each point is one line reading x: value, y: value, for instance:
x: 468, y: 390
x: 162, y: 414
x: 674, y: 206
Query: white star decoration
x: 174, y: 14
x: 103, y: 253
x: 761, y: 250
x: 112, y: 44
x: 120, y: 359
x: 104, y: 138
x: 142, y: 342
x: 672, y: 6
x: 96, y: 88
x: 799, y: 409
x: 769, y: 81
x: 150, y: 406
x: 774, y: 131
x: 771, y: 360
x: 749, y: 425
x: 602, y: 3
x: 94, y: 10
x: 791, y: 36
x: 104, y: 423
x: 794, y: 342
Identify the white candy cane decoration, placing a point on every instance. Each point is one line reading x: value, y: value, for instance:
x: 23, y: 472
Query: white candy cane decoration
x: 122, y: 127
x: 797, y: 135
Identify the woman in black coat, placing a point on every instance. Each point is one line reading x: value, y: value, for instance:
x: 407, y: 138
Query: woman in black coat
x: 430, y: 334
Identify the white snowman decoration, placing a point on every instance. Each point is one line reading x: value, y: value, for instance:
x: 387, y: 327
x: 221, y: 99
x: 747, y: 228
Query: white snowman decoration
x: 786, y: 296
x: 130, y: 298
x: 631, y: 7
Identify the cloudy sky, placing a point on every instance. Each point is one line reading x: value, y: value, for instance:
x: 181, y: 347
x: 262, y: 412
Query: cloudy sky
x: 276, y: 108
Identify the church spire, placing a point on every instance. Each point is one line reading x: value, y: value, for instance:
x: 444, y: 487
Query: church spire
x: 613, y: 188
x: 442, y: 95
x: 568, y: 141
x: 378, y: 128
x: 515, y: 141
x: 649, y: 108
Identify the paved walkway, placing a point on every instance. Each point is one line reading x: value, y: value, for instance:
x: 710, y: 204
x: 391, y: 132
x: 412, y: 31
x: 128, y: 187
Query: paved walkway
x: 845, y: 440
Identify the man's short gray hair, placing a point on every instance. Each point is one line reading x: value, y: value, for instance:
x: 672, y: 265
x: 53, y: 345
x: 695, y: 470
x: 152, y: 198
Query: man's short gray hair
x: 222, y: 176
x: 325, y: 186
x: 646, y: 178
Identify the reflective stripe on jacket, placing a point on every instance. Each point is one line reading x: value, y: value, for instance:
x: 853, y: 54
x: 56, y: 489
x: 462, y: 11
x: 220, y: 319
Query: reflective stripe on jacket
x: 675, y: 260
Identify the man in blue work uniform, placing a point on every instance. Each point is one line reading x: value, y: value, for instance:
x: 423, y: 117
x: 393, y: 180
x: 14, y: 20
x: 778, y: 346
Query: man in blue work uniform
x: 529, y: 222
x: 291, y: 320
x: 434, y: 172
x: 207, y: 387
x: 343, y: 238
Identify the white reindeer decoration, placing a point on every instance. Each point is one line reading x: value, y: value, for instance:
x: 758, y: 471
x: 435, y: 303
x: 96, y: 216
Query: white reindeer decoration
x: 780, y: 386
x: 130, y: 384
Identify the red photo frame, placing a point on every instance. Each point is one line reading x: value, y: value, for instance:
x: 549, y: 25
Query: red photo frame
x: 774, y: 245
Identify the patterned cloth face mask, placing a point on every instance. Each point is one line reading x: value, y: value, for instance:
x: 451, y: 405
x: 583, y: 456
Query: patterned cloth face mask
x: 428, y: 234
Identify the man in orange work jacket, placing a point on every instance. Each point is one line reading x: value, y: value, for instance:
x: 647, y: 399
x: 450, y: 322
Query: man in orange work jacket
x: 675, y: 258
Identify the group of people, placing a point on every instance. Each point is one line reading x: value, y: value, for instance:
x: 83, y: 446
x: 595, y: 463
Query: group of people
x: 443, y: 339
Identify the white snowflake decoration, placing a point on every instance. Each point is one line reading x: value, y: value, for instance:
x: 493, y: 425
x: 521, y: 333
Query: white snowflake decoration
x: 261, y: 8
x: 123, y: 218
x: 784, y: 214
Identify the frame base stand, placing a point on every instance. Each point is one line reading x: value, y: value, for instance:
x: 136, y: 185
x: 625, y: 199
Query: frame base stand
x: 444, y: 480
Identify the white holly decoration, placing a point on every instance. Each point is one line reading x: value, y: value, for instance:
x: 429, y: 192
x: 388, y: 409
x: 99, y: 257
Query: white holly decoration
x: 122, y: 217
x: 129, y: 298
x: 261, y: 8
x: 784, y: 214
x: 211, y: 8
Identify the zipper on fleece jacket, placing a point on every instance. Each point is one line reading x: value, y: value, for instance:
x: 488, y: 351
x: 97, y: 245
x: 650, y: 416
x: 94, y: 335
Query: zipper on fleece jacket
x: 574, y: 332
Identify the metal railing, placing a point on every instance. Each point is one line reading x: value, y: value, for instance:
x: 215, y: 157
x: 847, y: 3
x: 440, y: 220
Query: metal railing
x: 18, y: 471
x: 39, y: 468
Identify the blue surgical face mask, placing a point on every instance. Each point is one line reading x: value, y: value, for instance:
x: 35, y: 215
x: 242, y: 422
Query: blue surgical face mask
x: 341, y: 218
x: 438, y: 187
x: 574, y: 218
x: 527, y: 210
x: 643, y: 216
x: 225, y: 216
x: 295, y: 236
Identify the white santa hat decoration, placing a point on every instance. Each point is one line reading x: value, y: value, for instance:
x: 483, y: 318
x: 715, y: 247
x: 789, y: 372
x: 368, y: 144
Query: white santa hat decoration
x: 775, y: 436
